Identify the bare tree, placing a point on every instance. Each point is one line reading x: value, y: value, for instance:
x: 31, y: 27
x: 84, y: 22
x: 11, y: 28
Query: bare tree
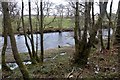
x: 42, y: 23
x: 41, y: 32
x: 81, y: 57
x: 110, y: 25
x: 101, y: 27
x: 93, y: 19
x: 25, y: 35
x: 7, y: 21
x: 5, y: 34
x: 76, y: 31
x: 15, y: 15
x: 31, y: 31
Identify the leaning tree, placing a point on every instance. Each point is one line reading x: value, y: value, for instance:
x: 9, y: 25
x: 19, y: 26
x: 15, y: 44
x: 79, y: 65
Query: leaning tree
x: 7, y: 24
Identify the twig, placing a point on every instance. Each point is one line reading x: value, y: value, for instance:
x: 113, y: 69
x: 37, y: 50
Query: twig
x: 79, y: 74
x: 71, y: 72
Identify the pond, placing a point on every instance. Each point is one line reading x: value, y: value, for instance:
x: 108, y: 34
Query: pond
x: 51, y: 40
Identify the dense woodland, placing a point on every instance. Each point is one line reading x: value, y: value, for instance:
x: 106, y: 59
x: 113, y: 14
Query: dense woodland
x: 91, y: 57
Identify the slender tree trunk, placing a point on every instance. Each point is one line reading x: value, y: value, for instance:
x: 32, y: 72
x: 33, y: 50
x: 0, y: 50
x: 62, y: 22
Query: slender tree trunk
x: 110, y: 24
x: 97, y: 25
x: 37, y: 24
x: 41, y: 31
x: 84, y: 37
x: 4, y: 66
x: 76, y: 55
x: 17, y: 58
x: 101, y: 37
x: 31, y: 28
x: 36, y: 42
x: 101, y: 34
x: 26, y: 41
x: 93, y: 19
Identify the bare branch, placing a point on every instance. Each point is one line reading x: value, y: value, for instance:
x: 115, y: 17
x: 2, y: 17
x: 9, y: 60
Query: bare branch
x: 50, y: 22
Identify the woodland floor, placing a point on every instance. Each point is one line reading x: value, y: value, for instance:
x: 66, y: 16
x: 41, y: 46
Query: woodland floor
x: 58, y: 64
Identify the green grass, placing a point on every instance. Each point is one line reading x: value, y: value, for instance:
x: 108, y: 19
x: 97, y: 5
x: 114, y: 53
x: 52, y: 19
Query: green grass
x: 56, y: 67
x: 66, y: 23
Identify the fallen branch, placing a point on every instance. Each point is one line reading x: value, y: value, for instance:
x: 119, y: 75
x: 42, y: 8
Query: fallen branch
x: 71, y: 72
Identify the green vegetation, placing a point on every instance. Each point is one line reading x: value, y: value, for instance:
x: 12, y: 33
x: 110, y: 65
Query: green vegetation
x: 66, y: 23
x: 58, y: 65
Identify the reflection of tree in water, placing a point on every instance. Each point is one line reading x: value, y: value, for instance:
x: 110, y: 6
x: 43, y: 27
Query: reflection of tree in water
x: 51, y: 40
x: 60, y: 41
x: 8, y: 45
x: 71, y: 34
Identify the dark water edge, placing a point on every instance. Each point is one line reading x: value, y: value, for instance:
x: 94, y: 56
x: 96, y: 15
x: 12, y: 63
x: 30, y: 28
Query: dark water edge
x: 45, y: 31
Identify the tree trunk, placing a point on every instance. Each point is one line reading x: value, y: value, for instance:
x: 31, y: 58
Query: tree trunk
x: 26, y: 41
x: 97, y: 25
x: 41, y: 31
x: 4, y: 66
x: 93, y: 19
x: 110, y: 24
x: 37, y: 24
x: 82, y: 60
x: 76, y: 55
x: 31, y: 28
x: 17, y: 58
x: 117, y: 37
x: 84, y: 49
x: 101, y: 36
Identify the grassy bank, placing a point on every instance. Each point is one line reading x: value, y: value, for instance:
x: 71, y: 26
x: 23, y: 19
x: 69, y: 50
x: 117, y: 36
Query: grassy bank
x: 58, y: 65
x: 66, y: 23
x: 47, y: 54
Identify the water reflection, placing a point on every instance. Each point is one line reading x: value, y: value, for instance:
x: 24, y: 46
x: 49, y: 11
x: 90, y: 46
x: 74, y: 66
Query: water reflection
x: 51, y: 40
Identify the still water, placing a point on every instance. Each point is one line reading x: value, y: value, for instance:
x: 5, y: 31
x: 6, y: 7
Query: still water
x: 51, y: 40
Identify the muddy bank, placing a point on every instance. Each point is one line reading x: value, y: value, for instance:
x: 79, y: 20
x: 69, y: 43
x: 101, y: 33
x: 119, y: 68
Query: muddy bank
x: 48, y: 30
